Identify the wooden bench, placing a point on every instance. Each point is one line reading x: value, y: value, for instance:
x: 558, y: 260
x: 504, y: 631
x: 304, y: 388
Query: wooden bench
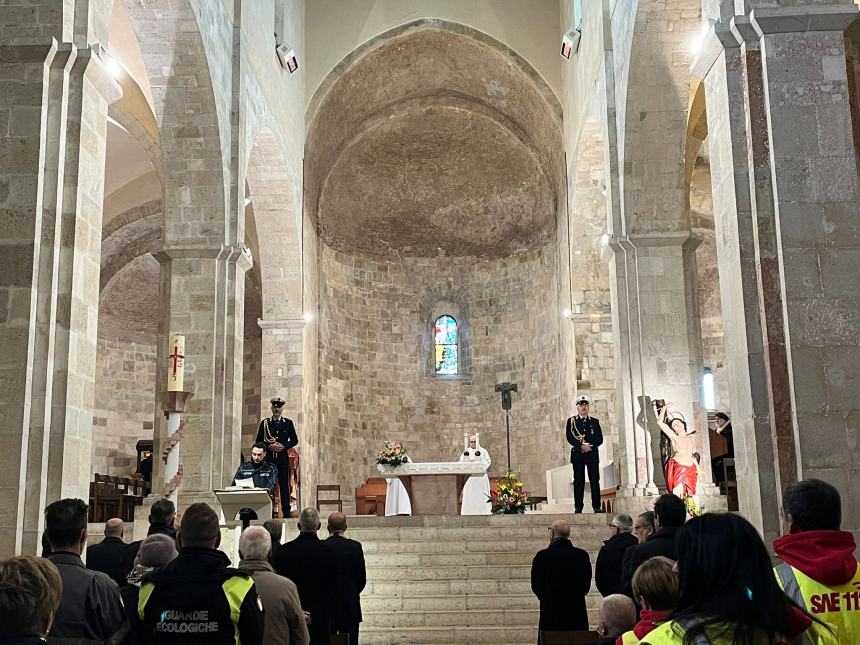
x: 370, y: 497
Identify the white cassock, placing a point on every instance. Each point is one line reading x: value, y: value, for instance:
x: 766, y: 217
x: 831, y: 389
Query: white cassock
x: 476, y: 492
x: 396, y: 498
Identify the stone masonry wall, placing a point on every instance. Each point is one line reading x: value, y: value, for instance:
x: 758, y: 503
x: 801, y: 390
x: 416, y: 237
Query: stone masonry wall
x: 124, y: 410
x: 376, y: 372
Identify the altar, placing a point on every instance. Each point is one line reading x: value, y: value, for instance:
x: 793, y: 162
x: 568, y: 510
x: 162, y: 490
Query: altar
x: 429, y: 488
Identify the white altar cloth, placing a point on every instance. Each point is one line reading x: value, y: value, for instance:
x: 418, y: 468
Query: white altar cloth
x: 396, y: 498
x: 476, y: 491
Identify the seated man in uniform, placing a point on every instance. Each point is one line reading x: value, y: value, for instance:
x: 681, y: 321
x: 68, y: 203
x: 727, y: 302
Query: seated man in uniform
x: 264, y: 473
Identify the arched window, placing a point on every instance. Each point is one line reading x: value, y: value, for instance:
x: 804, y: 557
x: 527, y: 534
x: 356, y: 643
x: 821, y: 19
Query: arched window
x: 445, y: 340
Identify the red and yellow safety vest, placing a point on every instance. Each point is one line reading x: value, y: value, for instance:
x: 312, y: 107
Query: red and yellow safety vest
x: 837, y: 607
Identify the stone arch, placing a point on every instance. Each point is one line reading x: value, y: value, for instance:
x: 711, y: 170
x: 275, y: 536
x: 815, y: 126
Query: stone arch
x: 176, y: 56
x: 127, y: 236
x: 655, y: 116
x: 476, y: 76
x: 133, y: 113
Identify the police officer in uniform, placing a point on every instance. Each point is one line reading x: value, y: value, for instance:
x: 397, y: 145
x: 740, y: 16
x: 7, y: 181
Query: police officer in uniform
x: 264, y: 473
x: 197, y: 598
x: 585, y: 436
x: 278, y: 434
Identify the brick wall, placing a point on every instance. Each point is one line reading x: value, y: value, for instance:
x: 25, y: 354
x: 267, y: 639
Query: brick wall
x: 376, y: 371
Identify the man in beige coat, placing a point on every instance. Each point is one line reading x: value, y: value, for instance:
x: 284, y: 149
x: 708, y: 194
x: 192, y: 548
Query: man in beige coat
x: 285, y: 620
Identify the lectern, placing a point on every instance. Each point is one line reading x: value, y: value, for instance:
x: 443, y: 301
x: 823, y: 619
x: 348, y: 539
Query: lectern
x: 233, y: 501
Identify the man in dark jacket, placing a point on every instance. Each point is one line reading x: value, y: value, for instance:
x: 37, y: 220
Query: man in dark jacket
x: 819, y: 571
x: 108, y: 556
x: 669, y: 516
x: 90, y: 608
x: 162, y: 516
x: 197, y: 598
x: 353, y: 577
x: 312, y: 566
x: 607, y: 571
x: 561, y: 578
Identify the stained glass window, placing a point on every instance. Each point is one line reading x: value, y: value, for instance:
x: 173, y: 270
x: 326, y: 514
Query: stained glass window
x: 445, y: 338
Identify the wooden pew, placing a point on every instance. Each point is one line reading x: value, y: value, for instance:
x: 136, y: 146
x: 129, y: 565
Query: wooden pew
x: 370, y: 497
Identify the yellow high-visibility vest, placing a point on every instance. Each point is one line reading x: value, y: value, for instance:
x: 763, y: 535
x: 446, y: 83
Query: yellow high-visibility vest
x: 837, y: 607
x: 629, y: 638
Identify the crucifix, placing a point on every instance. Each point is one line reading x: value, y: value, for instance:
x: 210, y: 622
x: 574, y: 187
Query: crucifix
x: 506, y: 389
x: 176, y: 372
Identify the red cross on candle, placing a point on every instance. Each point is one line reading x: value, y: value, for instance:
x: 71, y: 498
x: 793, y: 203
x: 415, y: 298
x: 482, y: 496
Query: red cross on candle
x: 176, y: 356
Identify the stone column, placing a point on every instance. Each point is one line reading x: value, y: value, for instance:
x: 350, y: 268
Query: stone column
x: 282, y: 364
x: 53, y: 107
x: 786, y: 196
x: 654, y: 278
x: 202, y: 298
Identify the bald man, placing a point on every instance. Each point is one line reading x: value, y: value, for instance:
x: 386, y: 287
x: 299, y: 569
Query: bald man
x: 561, y: 578
x: 353, y: 577
x: 108, y: 555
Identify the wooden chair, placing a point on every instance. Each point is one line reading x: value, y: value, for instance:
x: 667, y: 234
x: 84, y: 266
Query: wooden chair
x: 106, y: 498
x: 329, y: 488
x: 533, y: 501
x: 568, y: 638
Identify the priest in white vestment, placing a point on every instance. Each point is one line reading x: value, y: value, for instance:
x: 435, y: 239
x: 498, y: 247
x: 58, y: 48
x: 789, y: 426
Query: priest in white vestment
x: 476, y: 492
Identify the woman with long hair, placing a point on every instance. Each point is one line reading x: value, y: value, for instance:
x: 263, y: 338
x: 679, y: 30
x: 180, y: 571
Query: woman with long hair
x: 728, y: 592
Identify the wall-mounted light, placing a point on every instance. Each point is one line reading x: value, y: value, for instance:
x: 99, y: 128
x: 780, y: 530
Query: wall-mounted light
x: 109, y: 61
x: 309, y: 317
x: 570, y: 43
x: 566, y: 313
x: 288, y: 58
x: 247, y: 202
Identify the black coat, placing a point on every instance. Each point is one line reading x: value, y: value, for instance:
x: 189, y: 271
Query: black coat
x: 353, y: 578
x: 661, y: 543
x: 108, y: 557
x: 312, y: 566
x: 608, y: 572
x: 561, y: 578
x: 590, y: 428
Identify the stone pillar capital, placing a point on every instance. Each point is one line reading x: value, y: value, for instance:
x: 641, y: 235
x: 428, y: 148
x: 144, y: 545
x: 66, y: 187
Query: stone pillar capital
x: 783, y: 20
x: 686, y: 240
x: 94, y: 66
x: 288, y: 324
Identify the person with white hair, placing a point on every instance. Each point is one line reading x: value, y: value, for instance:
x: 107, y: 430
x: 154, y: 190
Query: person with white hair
x: 476, y: 491
x: 610, y: 559
x: 285, y: 621
x: 617, y: 615
x: 312, y: 565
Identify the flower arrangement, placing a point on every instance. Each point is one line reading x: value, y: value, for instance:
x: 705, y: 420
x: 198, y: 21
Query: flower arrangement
x: 693, y: 509
x: 392, y: 454
x: 510, y: 499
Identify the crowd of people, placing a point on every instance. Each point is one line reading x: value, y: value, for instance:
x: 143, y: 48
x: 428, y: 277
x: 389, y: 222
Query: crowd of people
x: 665, y: 580
x: 709, y: 580
x: 176, y: 586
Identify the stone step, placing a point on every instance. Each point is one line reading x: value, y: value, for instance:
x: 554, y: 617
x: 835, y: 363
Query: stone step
x: 528, y: 519
x: 461, y: 572
x: 472, y: 532
x: 457, y: 587
x: 526, y: 545
x: 449, y: 602
x: 394, y: 559
x: 459, y: 635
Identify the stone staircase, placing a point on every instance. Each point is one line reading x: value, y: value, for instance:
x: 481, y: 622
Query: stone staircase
x: 458, y: 580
